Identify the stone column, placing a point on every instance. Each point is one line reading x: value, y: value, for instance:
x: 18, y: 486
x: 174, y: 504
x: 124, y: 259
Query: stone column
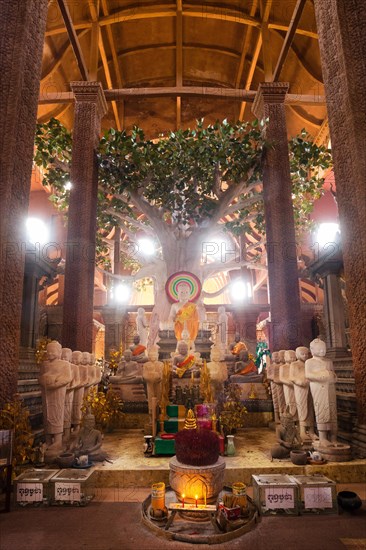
x: 90, y: 107
x: 285, y: 326
x: 342, y: 41
x: 22, y: 28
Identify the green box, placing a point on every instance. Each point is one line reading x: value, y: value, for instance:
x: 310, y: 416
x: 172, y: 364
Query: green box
x: 164, y: 446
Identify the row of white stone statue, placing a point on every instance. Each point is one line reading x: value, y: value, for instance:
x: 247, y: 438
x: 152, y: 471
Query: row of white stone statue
x: 306, y: 387
x: 65, y: 378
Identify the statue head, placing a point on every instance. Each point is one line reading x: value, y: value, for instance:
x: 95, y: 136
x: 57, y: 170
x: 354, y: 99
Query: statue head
x: 153, y: 353
x: 237, y: 337
x: 77, y: 357
x: 89, y: 421
x: 275, y: 357
x: 183, y: 292
x: 302, y: 353
x: 182, y: 347
x: 290, y: 356
x: 221, y: 310
x: 66, y: 354
x: 53, y: 350
x: 136, y: 339
x: 282, y: 355
x: 215, y: 354
x: 318, y: 348
x: 140, y: 312
x: 92, y: 359
x: 85, y: 359
x: 127, y: 355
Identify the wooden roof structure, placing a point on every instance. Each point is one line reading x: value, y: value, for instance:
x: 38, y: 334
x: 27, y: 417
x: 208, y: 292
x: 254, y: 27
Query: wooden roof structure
x: 165, y: 64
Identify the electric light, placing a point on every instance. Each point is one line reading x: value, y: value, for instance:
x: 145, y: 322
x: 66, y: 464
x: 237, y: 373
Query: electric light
x: 146, y: 247
x: 122, y: 293
x: 327, y: 233
x: 68, y: 186
x: 37, y: 231
x: 240, y: 290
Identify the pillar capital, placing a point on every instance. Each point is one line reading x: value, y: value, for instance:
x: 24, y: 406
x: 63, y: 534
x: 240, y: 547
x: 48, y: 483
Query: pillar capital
x: 269, y: 92
x: 90, y: 92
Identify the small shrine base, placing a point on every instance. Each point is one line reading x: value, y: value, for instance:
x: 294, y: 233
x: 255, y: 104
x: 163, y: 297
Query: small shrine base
x: 182, y: 527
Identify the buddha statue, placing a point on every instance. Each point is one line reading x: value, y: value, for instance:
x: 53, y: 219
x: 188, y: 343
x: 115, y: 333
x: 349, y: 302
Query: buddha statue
x: 184, y: 363
x: 55, y: 376
x: 138, y: 351
x: 89, y: 441
x: 304, y: 403
x: 236, y: 350
x: 322, y: 378
x: 128, y: 372
x: 184, y: 315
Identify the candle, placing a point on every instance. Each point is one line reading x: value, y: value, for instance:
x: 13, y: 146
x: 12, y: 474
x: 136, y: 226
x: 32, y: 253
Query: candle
x: 196, y: 497
x: 183, y: 495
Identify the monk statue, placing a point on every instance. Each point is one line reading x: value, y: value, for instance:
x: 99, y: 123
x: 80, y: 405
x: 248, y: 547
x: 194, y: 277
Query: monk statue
x: 304, y: 403
x: 217, y: 369
x: 142, y: 326
x: 128, y: 372
x: 183, y: 362
x: 287, y: 437
x: 287, y: 385
x: 238, y: 352
x: 76, y: 359
x: 320, y: 373
x: 89, y: 441
x: 55, y: 376
x: 152, y: 374
x: 138, y: 350
x: 273, y: 374
x: 66, y: 355
x: 184, y: 315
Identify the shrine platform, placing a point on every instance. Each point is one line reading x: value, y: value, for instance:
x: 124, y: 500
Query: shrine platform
x: 130, y: 468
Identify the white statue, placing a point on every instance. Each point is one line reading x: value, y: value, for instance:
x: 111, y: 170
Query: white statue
x: 76, y: 359
x: 222, y: 333
x: 55, y: 376
x: 66, y: 355
x: 288, y: 387
x: 184, y: 315
x: 152, y: 374
x: 217, y: 369
x: 273, y: 374
x: 128, y: 372
x: 320, y: 373
x: 304, y: 403
x: 142, y: 326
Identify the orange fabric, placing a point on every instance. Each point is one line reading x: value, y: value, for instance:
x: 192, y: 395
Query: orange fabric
x: 187, y: 317
x: 250, y: 367
x: 138, y: 350
x: 240, y: 346
x: 185, y: 365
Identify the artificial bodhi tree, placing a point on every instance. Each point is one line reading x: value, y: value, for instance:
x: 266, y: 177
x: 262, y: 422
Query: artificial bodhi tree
x: 183, y: 190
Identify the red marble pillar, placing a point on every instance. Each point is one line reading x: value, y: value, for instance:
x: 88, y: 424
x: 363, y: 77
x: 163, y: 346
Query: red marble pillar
x: 22, y: 28
x: 285, y: 328
x: 90, y: 107
x: 342, y: 40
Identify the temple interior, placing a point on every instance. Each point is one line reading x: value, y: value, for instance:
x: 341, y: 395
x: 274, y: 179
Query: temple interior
x: 183, y: 271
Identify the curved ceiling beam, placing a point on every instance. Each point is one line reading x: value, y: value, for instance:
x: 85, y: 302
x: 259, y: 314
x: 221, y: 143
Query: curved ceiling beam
x: 189, y: 46
x: 132, y: 14
x: 300, y: 113
x: 57, y: 112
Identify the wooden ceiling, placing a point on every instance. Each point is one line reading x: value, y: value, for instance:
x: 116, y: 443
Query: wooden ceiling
x: 169, y: 63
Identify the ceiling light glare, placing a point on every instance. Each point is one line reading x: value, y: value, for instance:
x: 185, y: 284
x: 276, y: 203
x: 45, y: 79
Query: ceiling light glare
x: 327, y: 233
x: 146, y: 247
x: 122, y: 293
x: 37, y: 231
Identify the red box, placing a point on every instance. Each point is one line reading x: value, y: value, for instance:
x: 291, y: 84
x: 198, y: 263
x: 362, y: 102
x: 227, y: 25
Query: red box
x: 230, y: 513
